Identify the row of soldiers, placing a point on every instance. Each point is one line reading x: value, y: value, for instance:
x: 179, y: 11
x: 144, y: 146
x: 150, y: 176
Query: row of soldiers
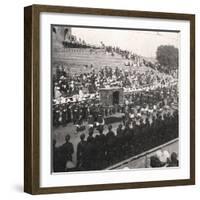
x: 103, y: 150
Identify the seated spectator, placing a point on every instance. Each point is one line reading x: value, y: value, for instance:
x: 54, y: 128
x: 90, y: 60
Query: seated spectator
x: 173, y: 161
x: 155, y: 162
x: 163, y: 156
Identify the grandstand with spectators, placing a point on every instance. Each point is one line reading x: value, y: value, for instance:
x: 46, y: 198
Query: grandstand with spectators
x: 111, y: 108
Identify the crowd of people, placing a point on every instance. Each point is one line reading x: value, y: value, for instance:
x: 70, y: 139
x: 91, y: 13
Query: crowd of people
x: 149, y: 112
x: 66, y: 84
x: 72, y: 103
x: 149, y: 118
x: 164, y: 159
x: 109, y: 147
x: 138, y: 105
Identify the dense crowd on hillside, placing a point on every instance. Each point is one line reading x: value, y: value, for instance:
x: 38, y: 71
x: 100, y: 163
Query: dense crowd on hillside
x: 66, y: 84
x: 133, y: 59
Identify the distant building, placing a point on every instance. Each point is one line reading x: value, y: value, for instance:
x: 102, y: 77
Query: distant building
x: 60, y: 34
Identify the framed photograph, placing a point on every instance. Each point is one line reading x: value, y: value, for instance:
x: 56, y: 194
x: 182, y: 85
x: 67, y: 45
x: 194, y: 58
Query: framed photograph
x: 109, y: 99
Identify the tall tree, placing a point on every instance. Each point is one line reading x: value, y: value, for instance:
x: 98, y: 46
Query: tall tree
x: 167, y: 56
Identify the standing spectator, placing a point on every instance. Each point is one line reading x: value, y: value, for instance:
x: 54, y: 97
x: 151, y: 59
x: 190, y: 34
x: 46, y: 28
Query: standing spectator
x: 174, y: 161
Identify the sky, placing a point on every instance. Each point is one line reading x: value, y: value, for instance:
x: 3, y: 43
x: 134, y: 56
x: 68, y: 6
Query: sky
x: 143, y: 43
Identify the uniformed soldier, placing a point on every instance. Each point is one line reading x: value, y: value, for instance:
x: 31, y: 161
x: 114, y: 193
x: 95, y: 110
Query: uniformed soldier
x: 91, y: 121
x: 56, y: 116
x: 81, y: 151
x: 75, y: 113
x: 100, y: 122
x: 90, y: 151
x: 111, y: 142
x: 120, y: 141
x: 58, y: 162
x: 100, y: 141
x: 64, y: 116
x: 67, y: 150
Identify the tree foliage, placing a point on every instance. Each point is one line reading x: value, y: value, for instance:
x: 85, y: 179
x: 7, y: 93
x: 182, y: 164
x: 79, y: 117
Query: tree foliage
x: 167, y: 56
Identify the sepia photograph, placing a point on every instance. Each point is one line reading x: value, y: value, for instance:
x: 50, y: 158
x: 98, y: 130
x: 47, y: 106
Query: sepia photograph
x: 114, y: 96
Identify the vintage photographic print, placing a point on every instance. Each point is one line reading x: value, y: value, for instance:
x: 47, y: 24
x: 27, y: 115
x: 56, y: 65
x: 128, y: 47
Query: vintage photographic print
x: 114, y: 98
